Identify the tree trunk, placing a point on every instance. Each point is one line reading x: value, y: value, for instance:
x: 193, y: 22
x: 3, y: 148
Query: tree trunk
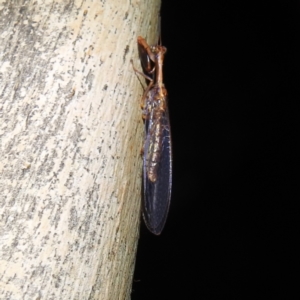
x: 70, y: 138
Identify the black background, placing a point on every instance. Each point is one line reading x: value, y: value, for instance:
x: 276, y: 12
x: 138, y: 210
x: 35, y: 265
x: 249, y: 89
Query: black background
x: 232, y: 75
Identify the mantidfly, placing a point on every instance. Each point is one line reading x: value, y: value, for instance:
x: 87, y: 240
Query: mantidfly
x: 157, y: 161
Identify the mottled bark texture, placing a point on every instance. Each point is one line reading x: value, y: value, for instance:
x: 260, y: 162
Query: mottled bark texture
x: 70, y: 140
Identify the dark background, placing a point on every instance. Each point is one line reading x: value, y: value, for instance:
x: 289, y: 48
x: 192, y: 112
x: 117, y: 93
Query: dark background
x: 232, y: 75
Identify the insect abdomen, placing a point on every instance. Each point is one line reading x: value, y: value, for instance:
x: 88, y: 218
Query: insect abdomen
x: 155, y: 149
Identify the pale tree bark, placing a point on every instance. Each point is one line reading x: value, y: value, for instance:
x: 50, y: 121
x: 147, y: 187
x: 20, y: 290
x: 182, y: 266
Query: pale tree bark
x: 70, y: 140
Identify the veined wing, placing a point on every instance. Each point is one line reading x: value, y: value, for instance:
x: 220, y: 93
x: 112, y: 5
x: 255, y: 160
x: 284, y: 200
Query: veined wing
x: 157, y: 171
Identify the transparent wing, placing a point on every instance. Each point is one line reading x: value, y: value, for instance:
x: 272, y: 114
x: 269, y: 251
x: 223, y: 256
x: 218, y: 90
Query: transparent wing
x: 157, y: 194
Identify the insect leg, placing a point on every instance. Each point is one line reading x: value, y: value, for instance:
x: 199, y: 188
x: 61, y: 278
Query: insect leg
x: 142, y: 43
x: 141, y: 73
x: 146, y: 91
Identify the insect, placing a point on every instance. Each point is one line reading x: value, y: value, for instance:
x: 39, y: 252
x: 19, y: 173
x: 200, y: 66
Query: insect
x: 157, y: 160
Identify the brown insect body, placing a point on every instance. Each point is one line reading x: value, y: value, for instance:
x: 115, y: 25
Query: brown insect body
x: 157, y: 177
x: 156, y: 108
x: 155, y: 104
